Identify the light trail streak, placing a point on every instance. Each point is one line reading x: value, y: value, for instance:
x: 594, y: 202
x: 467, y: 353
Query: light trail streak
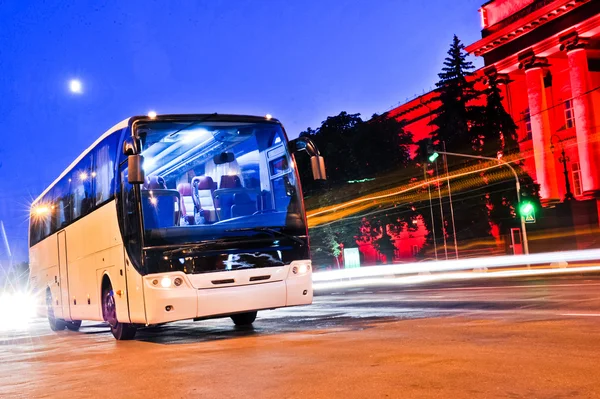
x: 398, y: 194
x: 419, y: 279
x: 464, y: 264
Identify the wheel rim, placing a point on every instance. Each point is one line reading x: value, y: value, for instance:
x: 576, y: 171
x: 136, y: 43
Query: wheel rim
x: 109, y: 308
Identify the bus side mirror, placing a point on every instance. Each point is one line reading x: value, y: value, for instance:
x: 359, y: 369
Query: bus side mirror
x: 317, y: 164
x: 130, y: 146
x: 135, y: 172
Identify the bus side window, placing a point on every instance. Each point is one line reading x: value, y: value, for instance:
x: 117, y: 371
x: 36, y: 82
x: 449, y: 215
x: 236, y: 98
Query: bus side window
x: 61, y: 205
x: 104, y: 157
x: 82, y: 187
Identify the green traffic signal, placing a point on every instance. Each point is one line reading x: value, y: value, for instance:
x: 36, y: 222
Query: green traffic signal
x: 526, y: 208
x: 433, y: 157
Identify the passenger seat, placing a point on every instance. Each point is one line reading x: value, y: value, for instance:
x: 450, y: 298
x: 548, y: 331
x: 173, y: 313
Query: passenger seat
x: 159, y: 204
x: 203, y: 197
x: 187, y: 202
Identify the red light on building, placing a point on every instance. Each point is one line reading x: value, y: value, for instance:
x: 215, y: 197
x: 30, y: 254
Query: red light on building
x: 548, y: 55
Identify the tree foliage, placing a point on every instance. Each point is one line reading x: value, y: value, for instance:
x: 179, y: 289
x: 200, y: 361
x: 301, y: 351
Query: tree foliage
x: 456, y: 89
x: 355, y: 149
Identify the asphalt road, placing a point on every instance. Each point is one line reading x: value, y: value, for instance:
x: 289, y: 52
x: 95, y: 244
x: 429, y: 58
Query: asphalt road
x: 518, y: 338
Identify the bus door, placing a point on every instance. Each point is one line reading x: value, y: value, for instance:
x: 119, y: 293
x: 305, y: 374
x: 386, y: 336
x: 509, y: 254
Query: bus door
x: 63, y: 275
x: 132, y: 241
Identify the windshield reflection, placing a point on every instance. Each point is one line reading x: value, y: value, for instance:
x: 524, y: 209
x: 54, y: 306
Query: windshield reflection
x: 213, y: 180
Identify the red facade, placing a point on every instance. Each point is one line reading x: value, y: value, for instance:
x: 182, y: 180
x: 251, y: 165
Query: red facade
x: 548, y: 54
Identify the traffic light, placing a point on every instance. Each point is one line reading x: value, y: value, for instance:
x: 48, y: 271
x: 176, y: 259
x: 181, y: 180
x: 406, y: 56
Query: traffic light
x: 433, y: 155
x: 527, y: 210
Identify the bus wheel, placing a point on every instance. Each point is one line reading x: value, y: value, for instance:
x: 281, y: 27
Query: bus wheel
x: 244, y: 319
x: 121, y: 331
x: 55, y: 324
x: 73, y: 325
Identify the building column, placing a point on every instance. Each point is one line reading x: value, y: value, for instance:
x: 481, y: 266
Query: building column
x: 545, y: 168
x: 587, y: 141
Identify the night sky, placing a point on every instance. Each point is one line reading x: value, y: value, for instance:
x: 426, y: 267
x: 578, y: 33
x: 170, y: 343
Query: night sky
x: 297, y: 60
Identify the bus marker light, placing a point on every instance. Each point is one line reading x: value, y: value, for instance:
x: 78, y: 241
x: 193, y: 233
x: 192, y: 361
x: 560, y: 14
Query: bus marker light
x: 178, y: 281
x: 155, y: 282
x: 165, y: 282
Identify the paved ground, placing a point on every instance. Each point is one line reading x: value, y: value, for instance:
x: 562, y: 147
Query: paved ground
x: 531, y: 338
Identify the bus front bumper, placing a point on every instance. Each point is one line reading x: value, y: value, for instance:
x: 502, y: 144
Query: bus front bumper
x: 172, y: 303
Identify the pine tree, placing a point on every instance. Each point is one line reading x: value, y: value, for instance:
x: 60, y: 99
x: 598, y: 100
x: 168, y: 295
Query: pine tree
x: 456, y: 89
x: 498, y: 131
x: 455, y: 120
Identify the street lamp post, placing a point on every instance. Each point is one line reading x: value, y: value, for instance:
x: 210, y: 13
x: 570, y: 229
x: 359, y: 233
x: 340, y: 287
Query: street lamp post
x: 517, y: 186
x: 431, y: 210
x: 442, y: 214
x: 564, y: 159
x: 450, y: 199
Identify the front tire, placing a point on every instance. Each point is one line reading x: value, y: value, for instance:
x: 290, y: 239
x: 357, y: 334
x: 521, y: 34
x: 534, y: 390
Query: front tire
x: 244, y: 319
x: 121, y: 331
x: 55, y: 323
x: 73, y: 325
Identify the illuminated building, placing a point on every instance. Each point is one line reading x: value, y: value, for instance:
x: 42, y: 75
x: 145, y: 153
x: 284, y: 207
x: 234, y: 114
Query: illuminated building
x: 547, y: 56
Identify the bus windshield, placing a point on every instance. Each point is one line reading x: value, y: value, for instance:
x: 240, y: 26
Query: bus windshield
x: 217, y: 180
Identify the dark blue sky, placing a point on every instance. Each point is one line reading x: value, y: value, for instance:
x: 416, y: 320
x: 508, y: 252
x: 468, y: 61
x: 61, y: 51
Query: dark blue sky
x: 297, y: 60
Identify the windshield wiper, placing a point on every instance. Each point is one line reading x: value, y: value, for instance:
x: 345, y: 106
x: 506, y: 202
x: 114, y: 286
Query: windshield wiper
x: 270, y: 230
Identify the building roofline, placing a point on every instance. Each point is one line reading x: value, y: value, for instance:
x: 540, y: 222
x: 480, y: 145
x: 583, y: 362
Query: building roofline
x: 523, y: 26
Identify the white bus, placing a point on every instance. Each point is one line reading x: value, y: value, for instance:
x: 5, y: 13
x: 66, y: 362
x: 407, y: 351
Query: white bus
x: 174, y: 217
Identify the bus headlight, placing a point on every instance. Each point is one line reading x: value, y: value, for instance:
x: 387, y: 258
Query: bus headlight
x: 301, y: 268
x: 165, y: 282
x: 178, y: 281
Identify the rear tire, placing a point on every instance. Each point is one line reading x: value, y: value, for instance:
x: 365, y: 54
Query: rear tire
x: 244, y: 319
x: 73, y: 325
x: 121, y: 331
x: 55, y: 323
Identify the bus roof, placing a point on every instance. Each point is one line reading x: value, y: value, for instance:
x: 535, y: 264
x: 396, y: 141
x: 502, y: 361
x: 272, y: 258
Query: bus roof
x: 118, y: 126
